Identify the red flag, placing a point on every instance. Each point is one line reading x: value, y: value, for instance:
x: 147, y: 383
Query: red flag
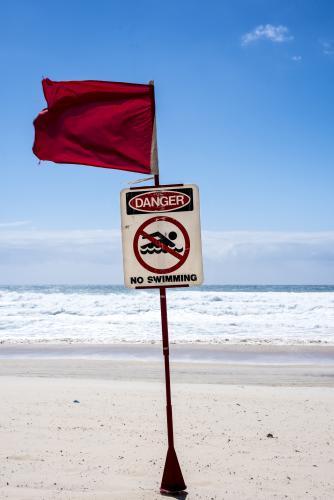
x: 103, y: 124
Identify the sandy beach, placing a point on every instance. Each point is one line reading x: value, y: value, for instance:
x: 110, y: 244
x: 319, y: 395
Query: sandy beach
x: 112, y: 442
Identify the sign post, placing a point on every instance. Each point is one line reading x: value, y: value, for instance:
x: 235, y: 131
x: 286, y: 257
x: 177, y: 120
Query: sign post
x: 162, y: 248
x: 172, y: 479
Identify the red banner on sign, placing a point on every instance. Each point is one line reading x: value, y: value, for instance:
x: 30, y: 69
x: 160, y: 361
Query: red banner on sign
x: 103, y: 124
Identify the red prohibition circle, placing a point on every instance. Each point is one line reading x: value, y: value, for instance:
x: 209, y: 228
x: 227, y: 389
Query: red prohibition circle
x: 182, y: 258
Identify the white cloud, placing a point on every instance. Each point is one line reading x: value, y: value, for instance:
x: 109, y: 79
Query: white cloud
x: 263, y: 243
x: 68, y: 256
x: 270, y: 257
x: 18, y: 223
x: 328, y: 48
x: 296, y: 58
x: 94, y: 256
x: 276, y: 34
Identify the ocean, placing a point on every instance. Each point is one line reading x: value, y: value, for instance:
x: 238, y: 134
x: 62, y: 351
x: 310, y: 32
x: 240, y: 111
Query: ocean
x: 211, y: 314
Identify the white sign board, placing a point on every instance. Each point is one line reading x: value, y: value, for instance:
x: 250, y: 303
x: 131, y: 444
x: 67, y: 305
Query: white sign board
x: 161, y: 236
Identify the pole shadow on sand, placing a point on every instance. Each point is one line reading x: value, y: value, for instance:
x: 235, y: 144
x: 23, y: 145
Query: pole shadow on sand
x: 182, y: 495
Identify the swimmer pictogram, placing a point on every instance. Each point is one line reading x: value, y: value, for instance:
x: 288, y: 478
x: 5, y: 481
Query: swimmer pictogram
x: 150, y: 242
x: 167, y: 240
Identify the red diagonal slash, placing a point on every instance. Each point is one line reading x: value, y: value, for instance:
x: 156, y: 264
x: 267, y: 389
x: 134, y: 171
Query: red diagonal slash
x: 161, y: 245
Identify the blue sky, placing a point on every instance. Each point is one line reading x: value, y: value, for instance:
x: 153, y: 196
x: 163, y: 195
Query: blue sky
x: 245, y: 110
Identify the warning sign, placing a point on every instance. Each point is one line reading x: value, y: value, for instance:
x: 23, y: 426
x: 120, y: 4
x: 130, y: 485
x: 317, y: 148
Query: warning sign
x: 161, y: 236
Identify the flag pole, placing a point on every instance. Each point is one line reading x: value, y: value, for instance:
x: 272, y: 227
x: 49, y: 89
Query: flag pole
x: 172, y: 479
x: 154, y: 160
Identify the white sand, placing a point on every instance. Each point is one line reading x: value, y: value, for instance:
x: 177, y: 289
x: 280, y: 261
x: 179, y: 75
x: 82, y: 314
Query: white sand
x: 112, y: 444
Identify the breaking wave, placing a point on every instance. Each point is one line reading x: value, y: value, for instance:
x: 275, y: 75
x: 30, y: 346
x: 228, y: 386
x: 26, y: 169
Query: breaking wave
x: 278, y: 315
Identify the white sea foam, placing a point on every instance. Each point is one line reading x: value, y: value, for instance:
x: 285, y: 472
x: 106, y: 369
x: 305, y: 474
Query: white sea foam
x: 117, y: 315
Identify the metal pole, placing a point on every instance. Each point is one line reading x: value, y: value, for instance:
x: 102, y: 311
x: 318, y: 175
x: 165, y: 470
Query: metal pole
x: 172, y: 479
x: 165, y: 347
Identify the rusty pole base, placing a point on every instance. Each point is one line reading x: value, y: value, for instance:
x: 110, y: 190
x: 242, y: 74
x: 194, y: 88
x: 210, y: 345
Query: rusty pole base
x: 172, y: 479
